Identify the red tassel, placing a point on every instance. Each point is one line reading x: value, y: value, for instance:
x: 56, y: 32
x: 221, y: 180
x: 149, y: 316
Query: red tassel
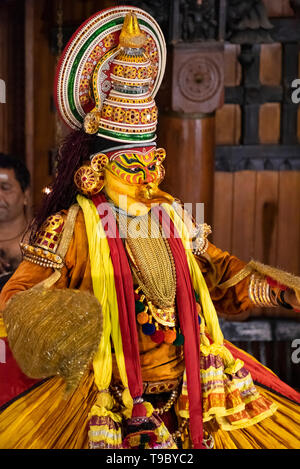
x: 158, y: 337
x: 275, y: 284
x: 140, y: 440
x: 139, y: 410
x: 199, y: 446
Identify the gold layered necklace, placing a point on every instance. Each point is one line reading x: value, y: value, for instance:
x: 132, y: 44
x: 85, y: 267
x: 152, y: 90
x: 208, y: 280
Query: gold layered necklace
x: 152, y: 265
x: 151, y: 258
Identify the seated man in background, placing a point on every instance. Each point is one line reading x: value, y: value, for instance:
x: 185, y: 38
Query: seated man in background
x: 14, y: 197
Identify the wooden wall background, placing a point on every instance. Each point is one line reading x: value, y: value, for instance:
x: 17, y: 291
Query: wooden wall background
x: 257, y: 213
x: 12, y: 71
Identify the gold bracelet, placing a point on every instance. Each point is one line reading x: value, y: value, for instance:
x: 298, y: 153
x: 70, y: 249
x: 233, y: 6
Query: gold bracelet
x: 260, y: 291
x: 255, y: 291
x: 250, y: 289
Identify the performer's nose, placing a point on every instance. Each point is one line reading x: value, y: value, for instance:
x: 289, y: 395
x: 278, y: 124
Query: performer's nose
x: 148, y: 178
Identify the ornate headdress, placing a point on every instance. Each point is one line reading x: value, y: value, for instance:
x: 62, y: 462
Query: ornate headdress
x: 109, y: 74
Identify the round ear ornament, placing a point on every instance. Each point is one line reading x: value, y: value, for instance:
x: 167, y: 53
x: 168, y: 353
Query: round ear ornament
x: 160, y: 154
x: 99, y: 161
x: 91, y: 122
x: 161, y: 173
x: 89, y: 178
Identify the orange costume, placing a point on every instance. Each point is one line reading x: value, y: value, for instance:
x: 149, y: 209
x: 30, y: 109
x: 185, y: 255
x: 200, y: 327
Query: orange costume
x: 136, y: 344
x: 162, y: 364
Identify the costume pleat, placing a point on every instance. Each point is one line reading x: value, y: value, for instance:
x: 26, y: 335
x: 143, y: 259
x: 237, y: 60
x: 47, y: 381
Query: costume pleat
x: 44, y: 419
x: 281, y: 431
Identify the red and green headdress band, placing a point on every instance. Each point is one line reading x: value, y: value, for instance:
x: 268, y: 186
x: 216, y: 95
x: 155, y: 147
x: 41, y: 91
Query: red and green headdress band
x: 113, y: 152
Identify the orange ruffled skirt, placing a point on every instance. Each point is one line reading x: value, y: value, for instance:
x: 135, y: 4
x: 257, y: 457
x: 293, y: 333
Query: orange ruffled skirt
x: 44, y: 419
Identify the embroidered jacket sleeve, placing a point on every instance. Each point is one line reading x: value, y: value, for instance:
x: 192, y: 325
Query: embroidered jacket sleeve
x: 40, y: 259
x: 218, y: 267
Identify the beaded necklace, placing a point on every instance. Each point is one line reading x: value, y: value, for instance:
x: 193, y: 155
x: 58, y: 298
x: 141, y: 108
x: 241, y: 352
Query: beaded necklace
x: 153, y: 269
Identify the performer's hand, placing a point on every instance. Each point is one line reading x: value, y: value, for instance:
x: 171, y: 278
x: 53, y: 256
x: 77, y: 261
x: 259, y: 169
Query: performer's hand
x: 291, y: 299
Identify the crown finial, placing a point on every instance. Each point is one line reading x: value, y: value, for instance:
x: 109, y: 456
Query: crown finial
x: 131, y: 34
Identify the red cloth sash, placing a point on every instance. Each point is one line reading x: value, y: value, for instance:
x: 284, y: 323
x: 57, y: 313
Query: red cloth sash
x: 262, y: 375
x: 186, y: 306
x: 188, y: 320
x: 12, y: 381
x: 125, y: 297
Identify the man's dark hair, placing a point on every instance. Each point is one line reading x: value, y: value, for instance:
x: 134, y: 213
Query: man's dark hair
x: 21, y: 172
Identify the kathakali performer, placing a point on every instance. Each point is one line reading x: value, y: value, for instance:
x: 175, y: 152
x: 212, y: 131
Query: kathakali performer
x: 111, y: 320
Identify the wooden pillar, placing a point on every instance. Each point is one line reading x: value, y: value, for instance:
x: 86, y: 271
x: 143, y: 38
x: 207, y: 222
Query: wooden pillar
x: 193, y: 90
x: 190, y: 145
x: 39, y: 76
x: 29, y: 88
x: 4, y: 75
x: 12, y: 72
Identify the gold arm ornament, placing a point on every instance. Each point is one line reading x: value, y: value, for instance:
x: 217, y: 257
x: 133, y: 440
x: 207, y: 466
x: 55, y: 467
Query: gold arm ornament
x: 259, y: 292
x: 247, y: 270
x: 45, y: 249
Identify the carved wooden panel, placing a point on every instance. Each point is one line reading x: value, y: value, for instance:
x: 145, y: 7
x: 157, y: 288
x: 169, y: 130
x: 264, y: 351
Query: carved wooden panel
x: 278, y: 8
x: 268, y: 115
x: 197, y: 78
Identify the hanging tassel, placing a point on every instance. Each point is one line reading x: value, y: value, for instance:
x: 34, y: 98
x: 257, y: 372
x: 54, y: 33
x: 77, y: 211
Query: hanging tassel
x: 104, y: 425
x: 139, y: 429
x: 145, y: 430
